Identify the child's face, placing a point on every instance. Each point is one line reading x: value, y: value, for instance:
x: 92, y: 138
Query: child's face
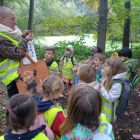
x: 97, y: 62
x: 68, y: 52
x: 107, y: 69
x: 78, y: 71
x: 49, y: 55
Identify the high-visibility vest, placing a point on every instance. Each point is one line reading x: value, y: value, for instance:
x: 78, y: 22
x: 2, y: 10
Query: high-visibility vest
x: 54, y: 67
x: 104, y: 125
x: 8, y: 68
x: 67, y: 69
x: 50, y: 116
x: 107, y: 108
x: 40, y: 136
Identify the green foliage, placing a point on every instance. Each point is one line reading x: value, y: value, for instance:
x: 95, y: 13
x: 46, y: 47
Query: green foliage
x: 116, y: 47
x: 136, y: 50
x: 55, y: 17
x: 80, y: 51
x: 40, y: 51
x: 71, y: 25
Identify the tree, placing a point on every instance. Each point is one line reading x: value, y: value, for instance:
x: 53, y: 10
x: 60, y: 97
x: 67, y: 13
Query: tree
x: 102, y: 26
x: 127, y: 22
x: 30, y: 20
x: 1, y: 2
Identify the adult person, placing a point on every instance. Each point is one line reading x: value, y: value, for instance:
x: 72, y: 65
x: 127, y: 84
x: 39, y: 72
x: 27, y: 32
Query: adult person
x: 11, y: 42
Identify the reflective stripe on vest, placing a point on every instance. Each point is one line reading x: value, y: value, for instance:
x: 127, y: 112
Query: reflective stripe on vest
x: 40, y: 136
x: 67, y: 69
x: 105, y: 127
x: 8, y: 68
x: 107, y: 109
x: 50, y: 116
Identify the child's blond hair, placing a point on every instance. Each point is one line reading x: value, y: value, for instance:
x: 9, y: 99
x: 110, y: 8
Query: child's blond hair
x: 116, y: 65
x: 51, y: 85
x: 86, y: 73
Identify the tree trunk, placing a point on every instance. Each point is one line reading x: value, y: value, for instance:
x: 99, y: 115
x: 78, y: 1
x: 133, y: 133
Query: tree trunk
x: 102, y: 26
x: 31, y: 10
x: 127, y: 22
x: 1, y: 2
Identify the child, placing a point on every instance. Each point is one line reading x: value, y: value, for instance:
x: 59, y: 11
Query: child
x: 82, y: 122
x: 67, y: 63
x: 21, y: 115
x: 49, y: 57
x: 53, y: 113
x: 114, y: 69
x: 96, y: 50
x: 87, y: 74
x: 75, y: 69
x: 98, y: 60
x: 131, y: 65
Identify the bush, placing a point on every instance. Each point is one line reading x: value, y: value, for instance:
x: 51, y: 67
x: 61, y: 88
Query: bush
x: 115, y: 47
x: 80, y: 51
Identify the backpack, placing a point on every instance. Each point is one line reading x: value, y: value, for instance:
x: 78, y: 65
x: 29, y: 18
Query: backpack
x: 134, y: 78
x: 124, y: 98
x: 71, y: 59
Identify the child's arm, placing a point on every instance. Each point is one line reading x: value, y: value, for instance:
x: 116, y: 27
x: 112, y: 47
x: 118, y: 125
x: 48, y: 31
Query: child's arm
x: 113, y: 94
x: 57, y: 123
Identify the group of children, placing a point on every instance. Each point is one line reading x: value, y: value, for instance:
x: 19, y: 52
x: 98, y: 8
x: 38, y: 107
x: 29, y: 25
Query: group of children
x: 89, y: 107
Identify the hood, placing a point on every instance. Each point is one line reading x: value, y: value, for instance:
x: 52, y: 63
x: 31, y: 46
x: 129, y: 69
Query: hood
x: 25, y: 136
x: 120, y: 75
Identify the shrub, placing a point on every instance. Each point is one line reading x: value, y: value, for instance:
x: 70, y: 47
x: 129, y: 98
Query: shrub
x: 81, y: 51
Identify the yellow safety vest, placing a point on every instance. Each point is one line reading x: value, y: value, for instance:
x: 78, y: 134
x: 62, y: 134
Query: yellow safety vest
x: 54, y: 67
x: 40, y: 136
x: 50, y: 116
x: 67, y: 69
x: 107, y: 108
x: 8, y: 68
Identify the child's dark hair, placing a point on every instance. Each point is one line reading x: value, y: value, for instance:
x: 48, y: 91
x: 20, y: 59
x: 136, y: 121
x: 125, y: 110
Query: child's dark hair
x: 84, y: 106
x: 21, y: 111
x: 50, y: 49
x: 126, y: 52
x: 96, y: 50
x: 87, y: 73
